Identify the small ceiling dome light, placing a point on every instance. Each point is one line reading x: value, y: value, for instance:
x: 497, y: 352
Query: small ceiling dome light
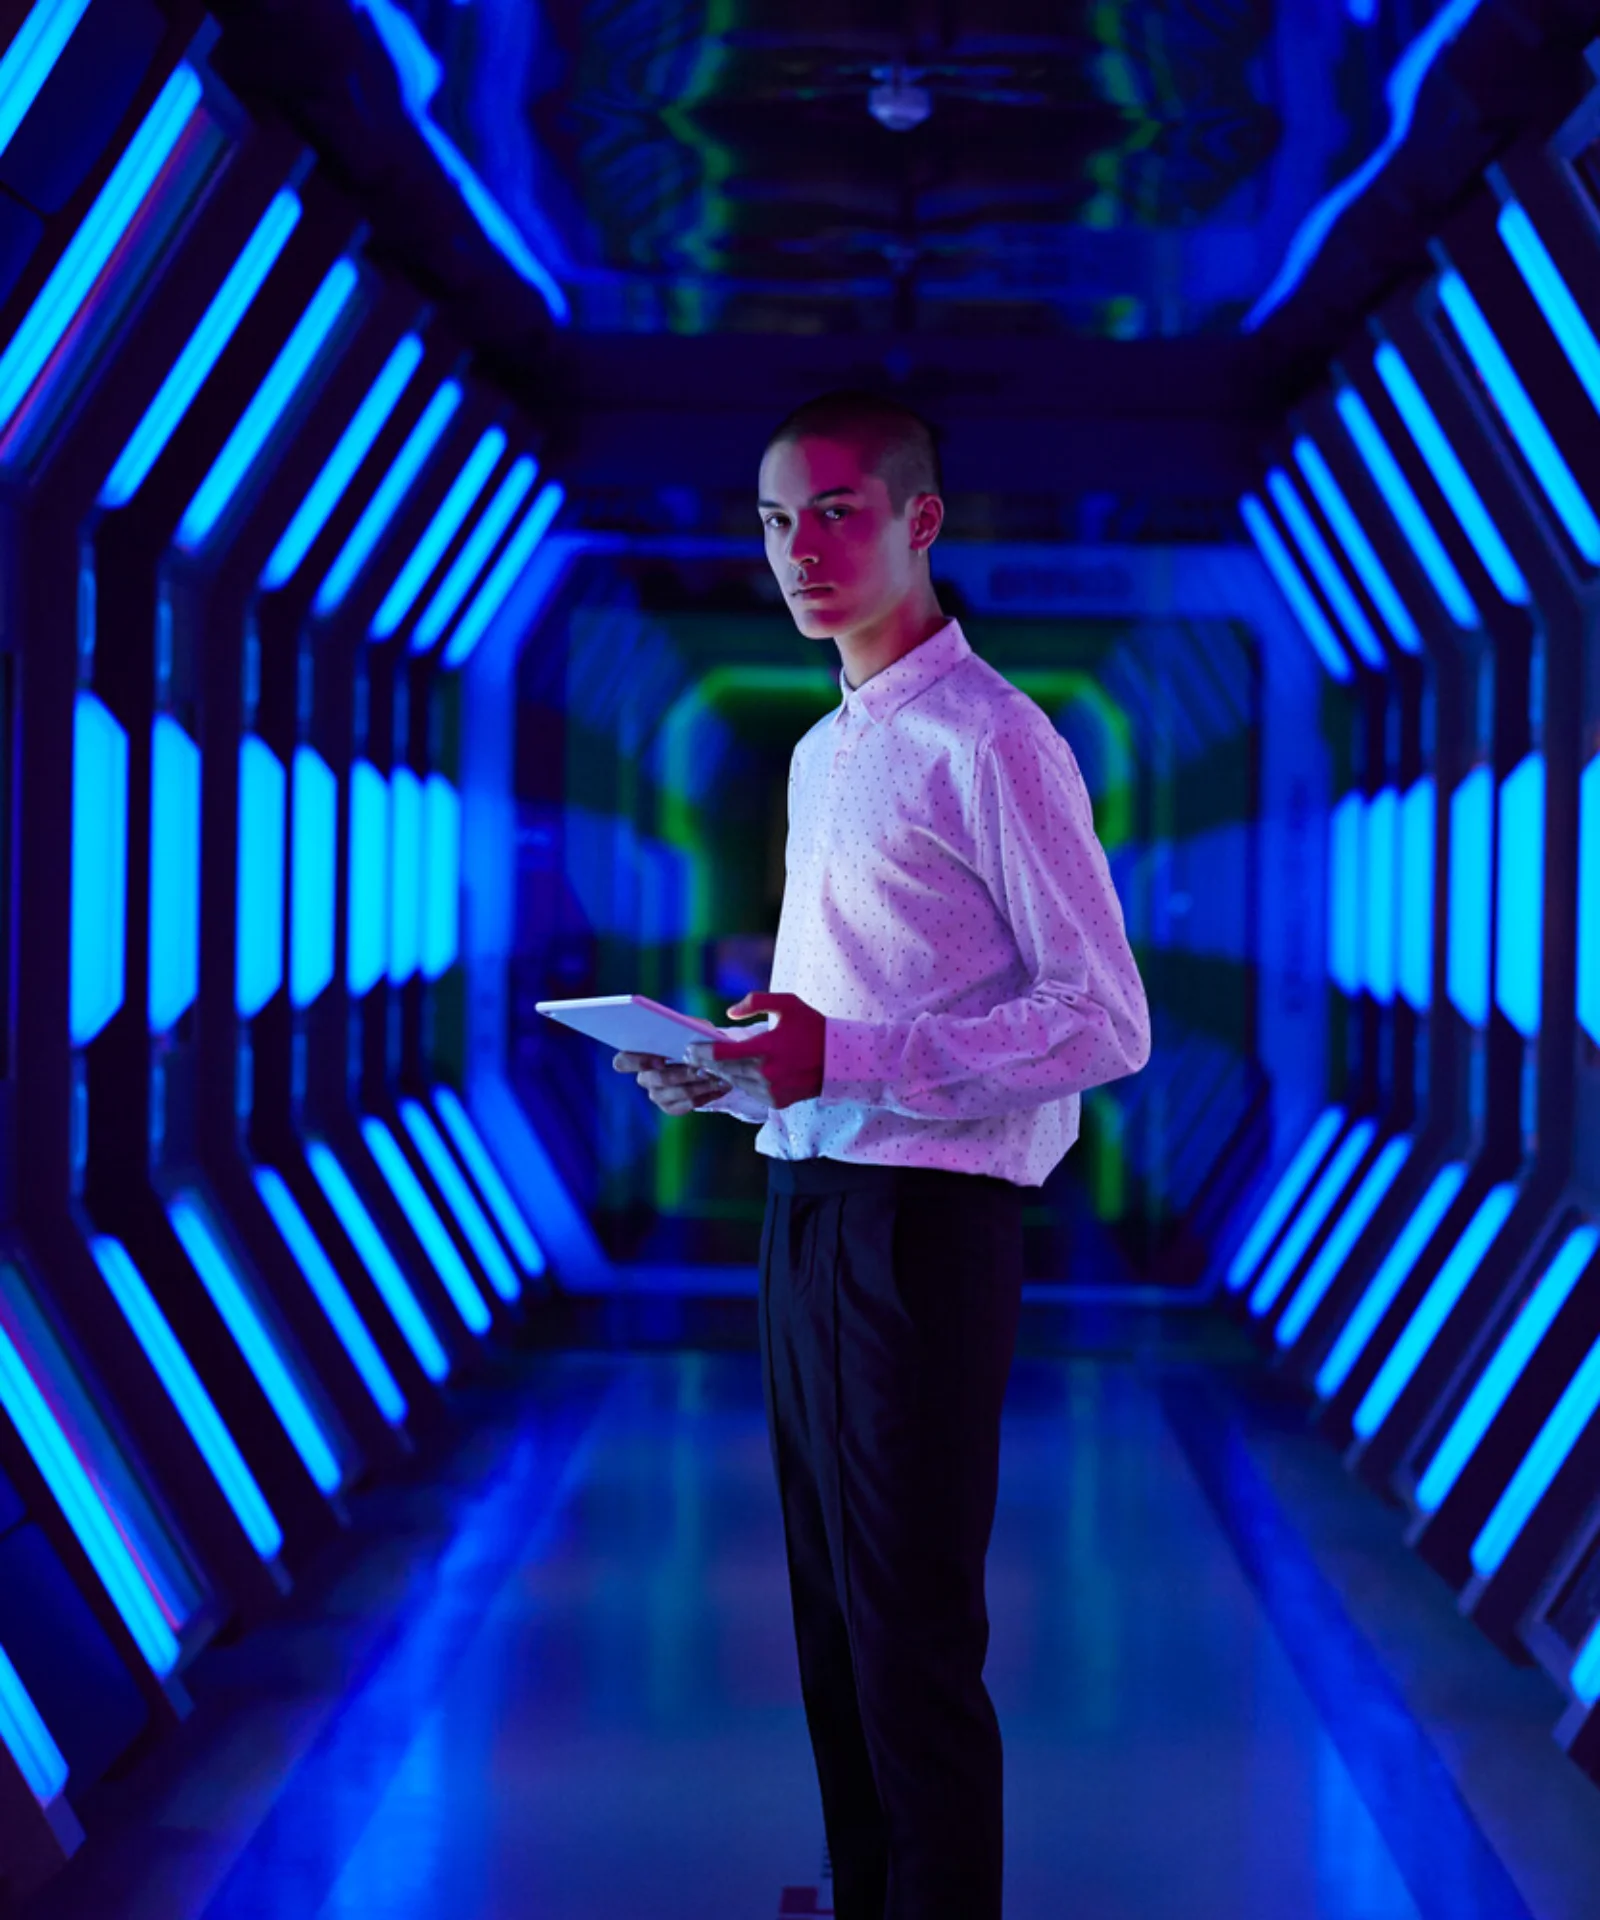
x: 898, y: 102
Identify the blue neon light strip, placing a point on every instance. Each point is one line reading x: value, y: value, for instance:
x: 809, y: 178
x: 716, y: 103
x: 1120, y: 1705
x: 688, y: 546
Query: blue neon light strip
x: 405, y: 874
x: 1309, y: 540
x: 505, y: 573
x: 385, y: 502
x: 1400, y: 92
x: 79, y: 267
x: 218, y: 324
x: 1312, y: 620
x: 84, y: 1511
x: 1585, y: 1677
x: 519, y: 1236
x: 1414, y: 960
x: 1435, y: 1307
x: 187, y: 1392
x: 1519, y: 903
x: 1386, y: 1283
x: 1309, y: 1221
x: 1540, y: 1465
x: 215, y: 1267
x: 372, y: 1249
x: 1471, y: 895
x: 258, y: 959
x: 426, y: 1225
x: 174, y: 873
x: 1284, y: 1197
x: 1506, y: 1367
x: 355, y: 443
x: 367, y: 932
x: 460, y: 1199
x: 1407, y: 509
x: 1352, y: 537
x: 99, y: 868
x: 474, y: 555
x: 268, y: 406
x: 1554, y: 297
x: 31, y: 58
x: 441, y: 868
x: 313, y: 876
x: 1521, y: 417
x: 446, y: 523
x: 1347, y: 896
x: 1466, y: 503
x: 301, y: 1240
x: 1589, y: 900
x: 27, y: 1738
x: 1340, y: 1243
x: 1380, y: 918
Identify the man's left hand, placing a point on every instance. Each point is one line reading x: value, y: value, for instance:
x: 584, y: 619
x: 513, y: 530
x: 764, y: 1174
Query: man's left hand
x: 777, y: 1067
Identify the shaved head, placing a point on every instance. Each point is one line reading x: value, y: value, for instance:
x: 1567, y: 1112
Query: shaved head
x: 894, y: 443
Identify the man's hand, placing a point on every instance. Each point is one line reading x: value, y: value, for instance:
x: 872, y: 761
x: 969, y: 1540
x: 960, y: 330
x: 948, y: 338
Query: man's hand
x: 674, y: 1088
x: 777, y: 1067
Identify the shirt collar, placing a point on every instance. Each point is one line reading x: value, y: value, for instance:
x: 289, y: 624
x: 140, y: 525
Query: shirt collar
x: 882, y: 697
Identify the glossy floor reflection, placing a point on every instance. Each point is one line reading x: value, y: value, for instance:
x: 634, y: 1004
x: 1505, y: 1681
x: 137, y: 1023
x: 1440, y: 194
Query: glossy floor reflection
x: 588, y: 1709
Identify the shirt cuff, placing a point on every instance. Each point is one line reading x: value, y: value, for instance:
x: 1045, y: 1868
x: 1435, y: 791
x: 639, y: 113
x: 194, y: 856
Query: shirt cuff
x: 859, y: 1059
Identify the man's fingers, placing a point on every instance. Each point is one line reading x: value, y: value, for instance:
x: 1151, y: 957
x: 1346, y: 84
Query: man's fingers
x: 638, y: 1062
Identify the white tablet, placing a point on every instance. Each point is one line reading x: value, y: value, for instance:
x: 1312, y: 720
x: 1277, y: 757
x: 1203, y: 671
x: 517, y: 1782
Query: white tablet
x: 631, y: 1023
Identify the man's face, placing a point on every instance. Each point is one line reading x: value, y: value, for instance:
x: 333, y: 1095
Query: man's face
x: 840, y: 552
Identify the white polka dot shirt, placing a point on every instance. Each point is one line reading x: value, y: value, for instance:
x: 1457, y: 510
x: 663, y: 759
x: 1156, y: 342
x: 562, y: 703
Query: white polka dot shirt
x: 950, y: 910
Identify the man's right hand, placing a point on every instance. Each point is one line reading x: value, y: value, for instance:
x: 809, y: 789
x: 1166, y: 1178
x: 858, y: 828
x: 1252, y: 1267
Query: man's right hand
x: 674, y: 1087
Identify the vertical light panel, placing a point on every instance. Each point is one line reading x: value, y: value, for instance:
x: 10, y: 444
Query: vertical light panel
x: 505, y: 573
x: 367, y: 932
x: 1589, y: 900
x: 263, y: 796
x: 405, y: 875
x: 313, y: 876
x: 1319, y: 557
x: 460, y: 1199
x: 1530, y: 1483
x: 1414, y: 960
x: 1519, y: 901
x: 446, y: 523
x: 1340, y: 1243
x: 430, y: 1230
x: 174, y: 873
x: 1471, y: 895
x: 1308, y: 1222
x: 1380, y: 918
x: 187, y: 1392
x: 519, y: 1235
x: 1347, y: 896
x: 27, y: 1739
x: 99, y: 867
x: 441, y: 870
x: 1291, y: 584
x: 31, y: 57
x: 474, y: 554
x: 1284, y: 1197
x: 1374, y: 576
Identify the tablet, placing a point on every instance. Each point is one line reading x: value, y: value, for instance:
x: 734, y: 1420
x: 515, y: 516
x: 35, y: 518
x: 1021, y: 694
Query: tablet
x: 631, y: 1023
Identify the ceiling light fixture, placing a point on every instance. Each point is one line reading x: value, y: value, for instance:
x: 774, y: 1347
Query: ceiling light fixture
x: 898, y: 102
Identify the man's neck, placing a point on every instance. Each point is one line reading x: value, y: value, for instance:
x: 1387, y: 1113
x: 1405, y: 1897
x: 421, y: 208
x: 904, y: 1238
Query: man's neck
x: 869, y: 650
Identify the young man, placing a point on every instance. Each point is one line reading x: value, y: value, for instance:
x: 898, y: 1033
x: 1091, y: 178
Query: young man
x: 951, y: 973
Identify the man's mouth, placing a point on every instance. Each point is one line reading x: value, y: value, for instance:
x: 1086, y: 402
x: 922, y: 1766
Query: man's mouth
x: 810, y: 593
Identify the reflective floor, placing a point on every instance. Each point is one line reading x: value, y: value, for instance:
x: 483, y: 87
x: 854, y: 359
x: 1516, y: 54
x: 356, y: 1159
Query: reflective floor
x: 560, y: 1683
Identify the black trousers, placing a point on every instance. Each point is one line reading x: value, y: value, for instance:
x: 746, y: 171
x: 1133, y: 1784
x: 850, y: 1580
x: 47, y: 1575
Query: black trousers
x: 888, y: 1314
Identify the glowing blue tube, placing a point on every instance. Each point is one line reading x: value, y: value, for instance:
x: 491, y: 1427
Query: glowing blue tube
x: 174, y: 873
x: 301, y: 1240
x: 1380, y: 918
x: 1407, y: 509
x: 313, y: 876
x: 1521, y: 417
x: 27, y: 1738
x: 1352, y: 537
x: 30, y: 60
x: 519, y: 1236
x: 1340, y: 1243
x: 1585, y: 1677
x: 1325, y: 1195
x: 1312, y: 620
x: 1471, y: 895
x: 474, y: 555
x: 441, y: 867
x: 367, y: 933
x: 268, y: 405
x: 439, y: 532
x: 1386, y: 1283
x: 373, y: 1251
x: 355, y: 443
x: 1569, y: 1417
x: 215, y: 1267
x: 189, y: 372
x: 86, y: 254
x: 98, y: 966
x: 426, y: 1225
x: 405, y: 874
x: 385, y: 502
x: 187, y: 1392
x: 1589, y: 900
x: 1414, y: 960
x: 1347, y: 895
x: 505, y: 573
x: 1506, y: 1367
x: 1284, y: 1196
x: 1519, y: 905
x: 84, y: 1511
x: 258, y: 959
x: 1309, y: 540
x: 460, y: 1199
x: 1435, y: 1307
x: 1554, y: 297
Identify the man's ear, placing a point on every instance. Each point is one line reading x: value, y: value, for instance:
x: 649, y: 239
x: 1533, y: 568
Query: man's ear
x: 926, y: 517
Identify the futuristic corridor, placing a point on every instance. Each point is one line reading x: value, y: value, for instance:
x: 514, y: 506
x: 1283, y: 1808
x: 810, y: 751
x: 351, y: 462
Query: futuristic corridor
x: 388, y: 1522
